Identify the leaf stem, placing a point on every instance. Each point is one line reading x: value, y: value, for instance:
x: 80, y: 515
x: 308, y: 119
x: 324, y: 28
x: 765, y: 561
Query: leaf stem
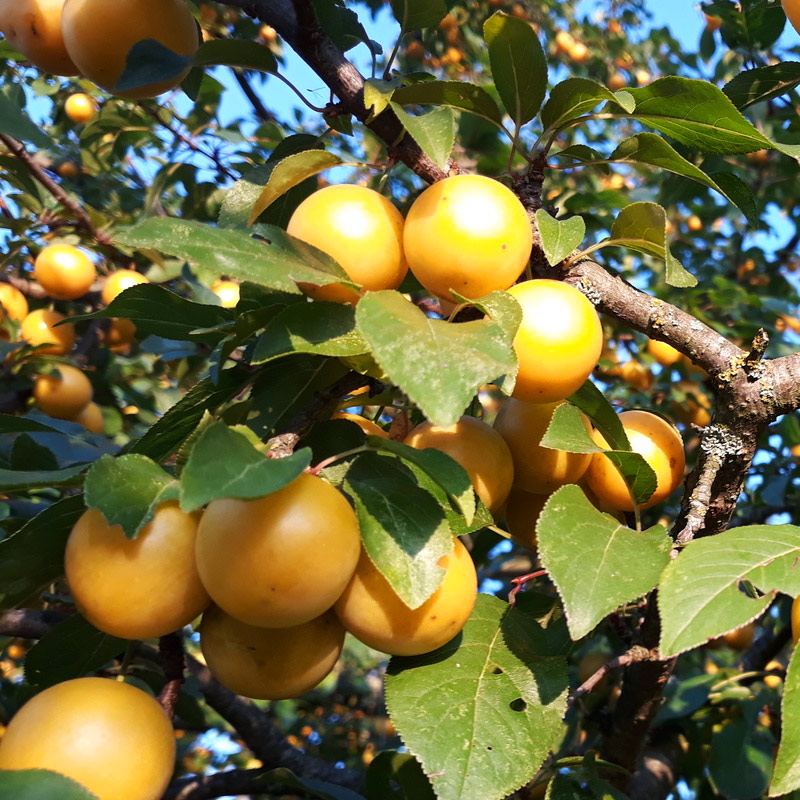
x: 364, y: 448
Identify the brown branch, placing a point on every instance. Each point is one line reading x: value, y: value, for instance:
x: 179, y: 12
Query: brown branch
x: 29, y: 623
x: 28, y: 288
x: 636, y: 653
x: 261, y: 736
x: 82, y: 218
x: 259, y: 109
x: 232, y: 782
x: 283, y: 444
x: 173, y: 662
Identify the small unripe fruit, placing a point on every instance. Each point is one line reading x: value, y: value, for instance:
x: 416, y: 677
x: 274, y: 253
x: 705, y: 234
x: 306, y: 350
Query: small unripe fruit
x: 358, y: 228
x: 366, y: 425
x: 64, y: 272
x: 38, y: 329
x: 537, y: 469
x: 479, y: 449
x: 99, y: 36
x: 564, y: 41
x: 774, y: 681
x: 636, y: 374
x: 63, y: 395
x: 558, y: 343
x: 228, y: 293
x: 117, y: 282
x: 109, y: 736
x: 138, y: 588
x: 91, y: 417
x: 280, y: 560
x: 662, y: 448
x: 33, y: 27
x: 694, y: 223
x: 371, y: 610
x: 13, y: 302
x: 80, y: 108
x: 270, y: 663
x: 467, y: 233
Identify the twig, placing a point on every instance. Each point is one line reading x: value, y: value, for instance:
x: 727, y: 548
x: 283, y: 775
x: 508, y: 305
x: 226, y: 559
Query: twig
x: 519, y: 583
x: 173, y: 661
x: 259, y: 108
x: 636, y: 653
x: 82, y: 218
x: 29, y: 623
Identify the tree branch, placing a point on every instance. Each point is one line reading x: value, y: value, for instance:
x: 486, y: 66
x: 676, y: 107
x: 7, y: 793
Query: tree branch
x: 233, y: 782
x: 173, y: 661
x: 259, y: 109
x: 29, y: 623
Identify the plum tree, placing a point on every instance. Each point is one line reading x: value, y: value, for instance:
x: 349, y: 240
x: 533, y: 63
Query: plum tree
x: 98, y: 37
x: 283, y: 559
x: 270, y: 663
x: 361, y: 230
x: 467, y: 233
x: 64, y: 272
x: 479, y: 449
x: 62, y: 394
x: 161, y: 589
x: 111, y: 737
x: 558, y: 343
x: 371, y: 610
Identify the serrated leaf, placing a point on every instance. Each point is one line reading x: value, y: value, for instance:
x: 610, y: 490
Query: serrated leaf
x: 643, y: 227
x: 277, y: 265
x: 786, y: 772
x: 739, y: 193
x: 403, y: 528
x: 13, y: 480
x: 595, y: 405
x: 519, y: 66
x: 290, y: 172
x: 647, y: 148
x: 40, y: 784
x: 434, y: 132
x: 34, y: 555
x: 243, y: 473
x: 160, y: 312
x: 762, y: 84
x: 327, y: 329
x: 571, y: 99
x: 440, y: 467
x: 460, y: 95
x: 71, y: 649
x: 567, y: 432
x: 439, y: 365
x: 414, y: 14
x: 378, y: 93
x: 559, y: 237
x: 502, y: 308
x: 15, y: 122
x: 127, y: 490
x: 482, y: 712
x: 699, y: 596
x: 588, y: 556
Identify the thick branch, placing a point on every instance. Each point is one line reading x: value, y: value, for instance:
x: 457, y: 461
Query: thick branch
x: 298, y: 26
x: 265, y: 740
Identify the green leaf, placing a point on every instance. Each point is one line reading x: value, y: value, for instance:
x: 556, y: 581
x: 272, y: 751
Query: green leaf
x: 12, y: 480
x: 459, y: 95
x: 440, y: 467
x: 559, y: 237
x: 571, y: 99
x: 740, y: 761
x: 596, y: 563
x: 403, y: 528
x: 762, y: 84
x: 72, y: 649
x: 327, y: 329
x: 786, y: 773
x: 277, y: 265
x: 243, y: 473
x: 699, y: 595
x: 643, y: 227
x: 434, y: 132
x: 167, y: 435
x: 739, y: 193
x: 519, y: 66
x: 290, y: 172
x: 40, y: 784
x: 160, y: 312
x: 378, y: 93
x: 567, y: 432
x: 34, y: 555
x: 697, y: 114
x: 235, y: 53
x: 240, y: 198
x: 439, y: 365
x: 647, y: 148
x: 310, y: 787
x: 414, y: 14
x: 397, y: 776
x: 595, y: 405
x: 127, y: 490
x: 683, y: 698
x: 482, y: 712
x: 15, y: 122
